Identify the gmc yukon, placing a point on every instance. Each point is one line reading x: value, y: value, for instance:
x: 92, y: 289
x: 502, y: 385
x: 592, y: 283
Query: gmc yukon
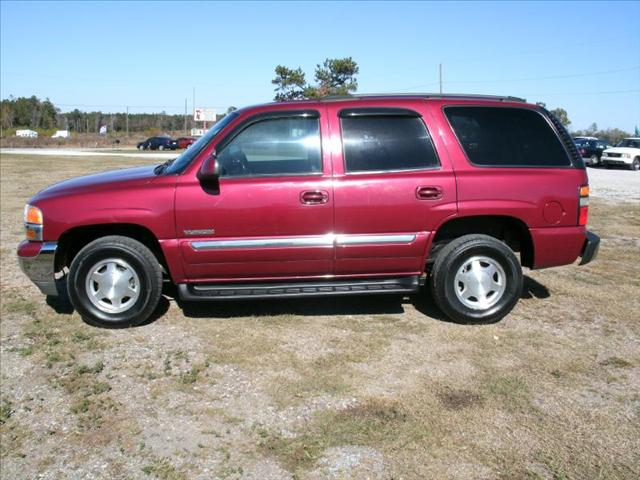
x: 340, y: 196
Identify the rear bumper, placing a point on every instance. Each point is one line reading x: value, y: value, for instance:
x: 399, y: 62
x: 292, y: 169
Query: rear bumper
x: 36, y: 260
x: 590, y: 248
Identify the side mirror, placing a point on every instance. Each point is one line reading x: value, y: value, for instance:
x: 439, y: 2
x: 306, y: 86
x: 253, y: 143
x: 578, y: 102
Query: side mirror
x: 209, y: 170
x: 209, y: 175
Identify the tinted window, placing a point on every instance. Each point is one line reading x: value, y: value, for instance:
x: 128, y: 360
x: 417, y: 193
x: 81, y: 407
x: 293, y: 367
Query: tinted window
x: 380, y: 143
x: 629, y: 142
x: 279, y: 146
x: 510, y: 137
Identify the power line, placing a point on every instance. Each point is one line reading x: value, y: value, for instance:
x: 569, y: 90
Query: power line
x: 553, y: 77
x: 581, y: 93
x: 555, y: 48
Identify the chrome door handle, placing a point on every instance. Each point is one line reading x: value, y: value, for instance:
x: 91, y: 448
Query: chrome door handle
x: 314, y: 197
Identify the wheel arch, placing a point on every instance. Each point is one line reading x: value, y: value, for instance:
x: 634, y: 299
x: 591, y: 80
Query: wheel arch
x: 511, y: 230
x: 74, y: 239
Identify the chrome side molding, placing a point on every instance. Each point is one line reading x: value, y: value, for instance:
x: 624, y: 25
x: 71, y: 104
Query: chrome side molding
x: 329, y: 240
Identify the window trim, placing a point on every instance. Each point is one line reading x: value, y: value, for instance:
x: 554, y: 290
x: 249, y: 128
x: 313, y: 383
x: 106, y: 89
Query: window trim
x: 381, y: 112
x: 265, y: 116
x: 377, y: 112
x: 570, y: 164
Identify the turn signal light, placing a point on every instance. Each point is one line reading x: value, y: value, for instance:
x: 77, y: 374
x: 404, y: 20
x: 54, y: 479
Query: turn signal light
x: 32, y: 215
x: 583, y: 205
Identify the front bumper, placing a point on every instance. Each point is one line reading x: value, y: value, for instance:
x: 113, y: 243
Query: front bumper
x: 616, y: 160
x: 590, y: 248
x: 36, y: 261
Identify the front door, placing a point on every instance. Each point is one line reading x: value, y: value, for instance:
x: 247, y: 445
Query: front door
x: 273, y: 215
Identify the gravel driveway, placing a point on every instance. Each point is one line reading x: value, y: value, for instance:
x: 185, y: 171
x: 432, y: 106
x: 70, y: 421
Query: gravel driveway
x: 614, y: 184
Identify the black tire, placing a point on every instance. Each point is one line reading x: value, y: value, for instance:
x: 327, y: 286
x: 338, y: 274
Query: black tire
x: 450, y: 261
x: 135, y: 255
x: 635, y: 165
x: 161, y: 147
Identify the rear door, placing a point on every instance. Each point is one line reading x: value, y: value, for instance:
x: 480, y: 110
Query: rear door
x: 391, y: 188
x: 273, y: 215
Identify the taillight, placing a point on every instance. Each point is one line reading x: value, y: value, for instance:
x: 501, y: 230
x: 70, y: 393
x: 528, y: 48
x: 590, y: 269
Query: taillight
x: 583, y: 209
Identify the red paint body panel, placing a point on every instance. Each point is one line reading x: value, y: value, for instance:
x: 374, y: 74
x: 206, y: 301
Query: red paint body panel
x: 178, y: 210
x: 557, y: 246
x: 135, y: 196
x: 27, y: 249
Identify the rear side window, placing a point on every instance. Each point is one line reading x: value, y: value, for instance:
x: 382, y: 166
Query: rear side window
x: 386, y: 143
x: 506, y: 137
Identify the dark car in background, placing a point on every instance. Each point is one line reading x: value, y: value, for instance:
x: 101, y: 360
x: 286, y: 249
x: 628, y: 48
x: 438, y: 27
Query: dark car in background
x: 158, y: 143
x: 590, y: 149
x: 185, y: 142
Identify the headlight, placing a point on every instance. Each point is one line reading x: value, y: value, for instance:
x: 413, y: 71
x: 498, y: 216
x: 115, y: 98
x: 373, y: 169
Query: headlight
x: 33, y: 220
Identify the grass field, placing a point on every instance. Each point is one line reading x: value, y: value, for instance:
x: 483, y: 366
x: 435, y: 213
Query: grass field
x: 373, y: 387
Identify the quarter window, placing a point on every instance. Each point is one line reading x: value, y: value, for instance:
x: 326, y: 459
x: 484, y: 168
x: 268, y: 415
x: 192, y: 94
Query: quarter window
x: 506, y: 137
x: 278, y: 146
x: 386, y: 143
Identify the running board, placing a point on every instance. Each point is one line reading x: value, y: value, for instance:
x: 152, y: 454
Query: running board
x: 250, y: 291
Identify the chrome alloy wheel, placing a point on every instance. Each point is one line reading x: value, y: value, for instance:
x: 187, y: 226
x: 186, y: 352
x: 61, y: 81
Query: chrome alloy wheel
x: 480, y: 283
x: 113, y: 285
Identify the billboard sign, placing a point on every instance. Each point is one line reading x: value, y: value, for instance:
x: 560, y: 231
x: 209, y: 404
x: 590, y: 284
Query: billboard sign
x: 204, y: 114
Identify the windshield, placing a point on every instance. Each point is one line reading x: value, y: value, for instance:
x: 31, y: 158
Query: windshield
x: 629, y: 142
x: 180, y: 163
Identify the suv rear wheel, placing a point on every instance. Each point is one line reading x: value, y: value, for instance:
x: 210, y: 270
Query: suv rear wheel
x: 635, y: 165
x: 115, y: 281
x: 476, y: 279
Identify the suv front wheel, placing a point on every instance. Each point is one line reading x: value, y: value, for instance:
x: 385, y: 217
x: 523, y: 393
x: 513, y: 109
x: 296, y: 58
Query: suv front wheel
x: 476, y: 279
x: 115, y: 281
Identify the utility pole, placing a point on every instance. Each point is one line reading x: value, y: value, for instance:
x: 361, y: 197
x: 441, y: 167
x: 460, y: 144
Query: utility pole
x: 127, y: 122
x: 440, y: 79
x: 185, y: 114
x: 194, y: 99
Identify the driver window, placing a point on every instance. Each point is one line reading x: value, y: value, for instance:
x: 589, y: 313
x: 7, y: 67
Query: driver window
x: 279, y: 146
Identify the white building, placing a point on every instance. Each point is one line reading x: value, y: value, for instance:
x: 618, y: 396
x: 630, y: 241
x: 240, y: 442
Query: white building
x: 27, y: 133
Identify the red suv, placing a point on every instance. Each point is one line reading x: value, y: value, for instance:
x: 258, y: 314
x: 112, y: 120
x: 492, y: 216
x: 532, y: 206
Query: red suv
x: 341, y: 196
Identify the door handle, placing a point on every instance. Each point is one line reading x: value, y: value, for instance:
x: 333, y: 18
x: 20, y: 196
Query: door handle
x: 429, y: 193
x: 314, y: 197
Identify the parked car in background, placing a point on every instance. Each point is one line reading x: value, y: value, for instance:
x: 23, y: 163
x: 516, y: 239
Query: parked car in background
x: 591, y: 149
x: 158, y: 143
x: 408, y: 194
x: 185, y: 142
x: 626, y: 153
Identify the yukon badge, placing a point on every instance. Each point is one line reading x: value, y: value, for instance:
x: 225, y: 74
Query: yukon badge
x: 204, y: 231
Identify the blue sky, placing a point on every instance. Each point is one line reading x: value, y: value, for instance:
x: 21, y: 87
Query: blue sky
x: 582, y: 56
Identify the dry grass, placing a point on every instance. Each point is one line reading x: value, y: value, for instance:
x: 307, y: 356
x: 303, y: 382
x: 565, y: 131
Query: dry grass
x: 274, y: 389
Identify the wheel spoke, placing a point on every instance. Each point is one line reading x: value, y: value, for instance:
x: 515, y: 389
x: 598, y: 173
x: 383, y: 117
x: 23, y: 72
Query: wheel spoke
x: 97, y: 277
x: 116, y: 301
x: 111, y: 268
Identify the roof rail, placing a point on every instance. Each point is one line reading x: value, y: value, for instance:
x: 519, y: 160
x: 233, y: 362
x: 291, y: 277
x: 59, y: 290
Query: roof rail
x: 453, y: 96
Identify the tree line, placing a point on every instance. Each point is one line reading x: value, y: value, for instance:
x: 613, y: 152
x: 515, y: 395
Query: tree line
x: 33, y: 113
